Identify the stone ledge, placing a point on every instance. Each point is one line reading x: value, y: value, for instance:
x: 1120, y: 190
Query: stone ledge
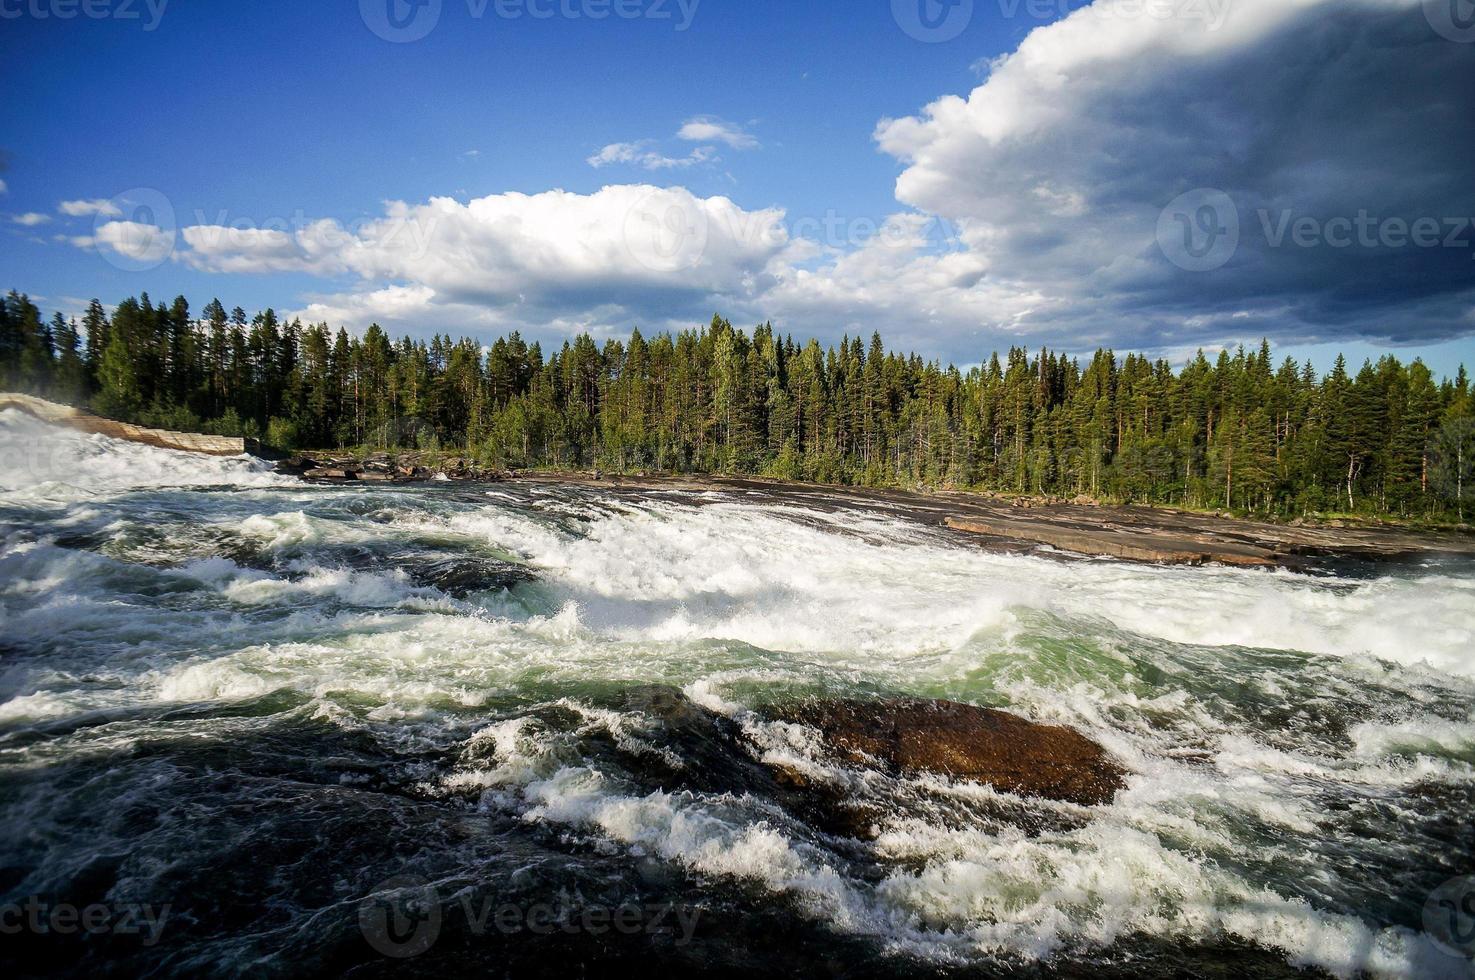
x: 75, y: 418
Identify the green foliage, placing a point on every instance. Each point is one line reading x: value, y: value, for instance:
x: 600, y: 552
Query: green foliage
x: 1452, y: 463
x: 282, y: 433
x: 118, y: 388
x: 1236, y: 433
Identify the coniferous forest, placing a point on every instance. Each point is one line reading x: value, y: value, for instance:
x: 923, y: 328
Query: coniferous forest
x: 1236, y: 431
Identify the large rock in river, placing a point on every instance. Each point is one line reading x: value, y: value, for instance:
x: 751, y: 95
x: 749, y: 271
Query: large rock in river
x: 961, y: 741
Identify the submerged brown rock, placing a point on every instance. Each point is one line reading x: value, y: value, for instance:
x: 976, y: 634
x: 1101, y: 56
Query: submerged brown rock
x: 961, y: 741
x: 706, y: 752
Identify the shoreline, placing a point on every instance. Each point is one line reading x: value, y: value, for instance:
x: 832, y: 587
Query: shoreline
x: 1149, y: 535
x: 1137, y: 533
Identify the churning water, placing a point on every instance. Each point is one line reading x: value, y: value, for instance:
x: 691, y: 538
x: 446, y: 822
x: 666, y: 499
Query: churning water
x: 242, y: 710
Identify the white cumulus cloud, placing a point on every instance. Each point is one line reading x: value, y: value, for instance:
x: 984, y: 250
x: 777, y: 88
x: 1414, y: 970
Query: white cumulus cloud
x: 707, y: 129
x: 625, y: 251
x: 98, y: 207
x: 641, y: 154
x: 133, y: 240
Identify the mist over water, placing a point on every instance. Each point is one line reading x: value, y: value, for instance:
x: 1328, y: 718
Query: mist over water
x: 256, y: 700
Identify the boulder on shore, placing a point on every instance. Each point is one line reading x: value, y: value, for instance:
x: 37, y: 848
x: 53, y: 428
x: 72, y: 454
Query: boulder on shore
x: 405, y: 467
x: 1010, y: 753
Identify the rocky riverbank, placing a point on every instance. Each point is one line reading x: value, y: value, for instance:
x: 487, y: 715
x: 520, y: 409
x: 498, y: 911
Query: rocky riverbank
x: 1175, y: 537
x: 388, y: 468
x: 1154, y: 535
x: 65, y: 416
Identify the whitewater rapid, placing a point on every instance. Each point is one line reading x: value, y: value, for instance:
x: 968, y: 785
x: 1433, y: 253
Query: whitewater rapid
x: 1301, y: 749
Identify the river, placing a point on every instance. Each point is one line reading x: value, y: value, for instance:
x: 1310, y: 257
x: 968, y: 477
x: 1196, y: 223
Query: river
x: 289, y: 729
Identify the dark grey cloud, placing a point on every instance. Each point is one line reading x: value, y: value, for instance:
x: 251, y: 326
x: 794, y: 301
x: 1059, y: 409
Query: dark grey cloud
x: 1334, y: 131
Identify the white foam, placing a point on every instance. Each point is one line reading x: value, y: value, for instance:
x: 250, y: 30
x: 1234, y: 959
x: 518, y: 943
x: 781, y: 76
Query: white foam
x: 1220, y: 814
x: 999, y: 892
x: 41, y: 463
x: 1423, y: 735
x: 668, y: 572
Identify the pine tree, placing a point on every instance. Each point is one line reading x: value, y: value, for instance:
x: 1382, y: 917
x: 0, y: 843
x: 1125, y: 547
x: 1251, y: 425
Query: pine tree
x: 70, y: 384
x: 30, y: 346
x: 119, y: 395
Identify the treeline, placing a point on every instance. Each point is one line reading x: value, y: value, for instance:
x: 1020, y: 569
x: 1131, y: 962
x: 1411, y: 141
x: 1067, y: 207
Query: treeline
x: 1237, y: 432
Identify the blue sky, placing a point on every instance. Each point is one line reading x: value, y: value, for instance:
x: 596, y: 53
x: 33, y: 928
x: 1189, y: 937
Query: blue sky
x: 842, y: 169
